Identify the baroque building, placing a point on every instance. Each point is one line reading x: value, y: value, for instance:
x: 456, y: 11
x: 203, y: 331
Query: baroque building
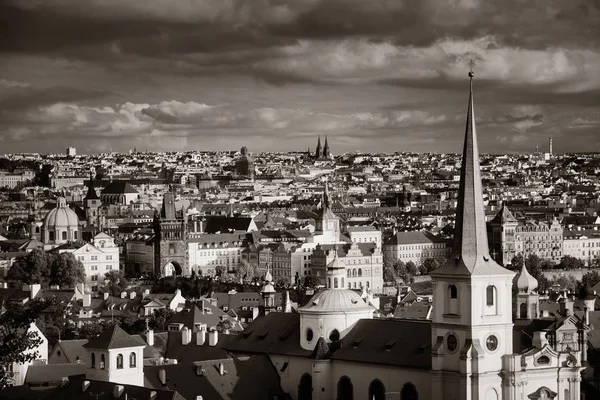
x: 473, y: 348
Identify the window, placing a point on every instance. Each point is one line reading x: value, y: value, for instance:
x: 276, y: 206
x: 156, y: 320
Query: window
x: 51, y: 235
x: 108, y: 267
x: 94, y: 258
x: 75, y: 235
x: 490, y: 294
x: 359, y: 272
x: 335, y: 283
x: 132, y: 360
x: 309, y: 335
x: 109, y: 257
x: 453, y: 292
x: 491, y: 343
x: 102, y: 362
x: 119, y: 361
x: 451, y: 343
x: 93, y: 360
x: 64, y: 235
x: 543, y: 360
x: 80, y: 258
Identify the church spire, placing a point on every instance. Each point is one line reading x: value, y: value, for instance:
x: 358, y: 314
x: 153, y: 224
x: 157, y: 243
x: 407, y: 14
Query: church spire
x: 470, y: 251
x: 326, y: 152
x: 318, y: 150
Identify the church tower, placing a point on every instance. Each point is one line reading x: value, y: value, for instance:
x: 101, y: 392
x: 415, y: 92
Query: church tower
x: 326, y: 152
x: 472, y: 311
x: 502, y: 238
x: 318, y: 150
x: 170, y: 240
x: 327, y: 224
x: 92, y: 203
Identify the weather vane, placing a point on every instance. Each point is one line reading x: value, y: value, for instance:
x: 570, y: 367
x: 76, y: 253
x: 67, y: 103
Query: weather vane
x: 471, y: 65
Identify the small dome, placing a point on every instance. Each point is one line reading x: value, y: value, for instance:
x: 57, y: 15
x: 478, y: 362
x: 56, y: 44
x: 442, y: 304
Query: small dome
x: 338, y: 301
x: 61, y: 216
x: 524, y: 282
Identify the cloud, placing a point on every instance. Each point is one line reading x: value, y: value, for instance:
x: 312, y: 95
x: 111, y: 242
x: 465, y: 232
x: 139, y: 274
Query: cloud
x: 12, y: 84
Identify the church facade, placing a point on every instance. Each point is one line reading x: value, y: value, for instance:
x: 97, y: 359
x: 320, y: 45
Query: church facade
x: 475, y: 346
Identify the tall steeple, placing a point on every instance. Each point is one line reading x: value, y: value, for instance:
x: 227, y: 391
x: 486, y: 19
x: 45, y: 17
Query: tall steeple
x: 318, y: 150
x: 326, y: 152
x: 470, y: 251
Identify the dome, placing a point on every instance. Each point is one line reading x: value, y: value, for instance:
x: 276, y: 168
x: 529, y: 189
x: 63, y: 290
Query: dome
x: 524, y: 282
x: 268, y: 286
x: 336, y: 301
x: 61, y: 216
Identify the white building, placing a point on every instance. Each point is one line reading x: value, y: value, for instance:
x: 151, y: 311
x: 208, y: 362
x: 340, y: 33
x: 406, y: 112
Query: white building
x: 414, y: 246
x: 19, y: 370
x: 60, y: 226
x: 114, y: 356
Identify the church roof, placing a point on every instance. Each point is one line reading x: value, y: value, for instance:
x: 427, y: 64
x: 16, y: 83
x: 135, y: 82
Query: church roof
x: 503, y: 216
x: 401, y: 343
x: 524, y: 282
x: 470, y: 253
x: 336, y: 301
x: 113, y: 338
x: 91, y: 193
x: 119, y: 187
x: 221, y: 224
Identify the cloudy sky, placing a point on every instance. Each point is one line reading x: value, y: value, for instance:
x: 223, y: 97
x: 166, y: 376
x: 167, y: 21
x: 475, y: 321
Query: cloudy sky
x: 376, y: 75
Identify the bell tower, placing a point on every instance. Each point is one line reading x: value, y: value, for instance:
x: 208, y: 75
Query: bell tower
x: 472, y: 311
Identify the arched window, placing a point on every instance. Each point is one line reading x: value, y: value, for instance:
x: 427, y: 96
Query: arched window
x: 490, y: 295
x: 64, y: 235
x: 342, y: 285
x: 409, y: 392
x: 349, y: 285
x: 75, y: 235
x: 102, y: 362
x: 354, y: 272
x: 367, y: 284
x: 119, y: 361
x: 453, y: 292
x: 335, y: 283
x: 523, y: 310
x: 93, y: 360
x: 349, y: 273
x: 51, y: 235
x: 354, y: 285
x: 345, y: 389
x: 360, y: 272
x: 132, y: 360
x: 329, y: 282
x: 305, y: 388
x: 376, y: 390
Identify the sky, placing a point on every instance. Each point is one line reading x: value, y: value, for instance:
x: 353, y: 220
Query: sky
x: 273, y: 75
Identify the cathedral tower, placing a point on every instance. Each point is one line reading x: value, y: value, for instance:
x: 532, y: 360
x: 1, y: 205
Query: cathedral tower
x: 327, y: 224
x: 472, y: 311
x: 92, y: 203
x: 318, y: 150
x: 326, y: 152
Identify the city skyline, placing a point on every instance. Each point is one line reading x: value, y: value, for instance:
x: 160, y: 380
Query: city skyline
x: 273, y: 75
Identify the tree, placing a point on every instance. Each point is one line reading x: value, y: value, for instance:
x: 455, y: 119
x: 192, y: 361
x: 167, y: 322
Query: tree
x: 570, y: 262
x: 411, y: 268
x: 590, y: 279
x: 66, y: 271
x: 219, y: 270
x: 516, y: 263
x: 17, y: 342
x: 430, y: 264
x: 400, y: 268
x: 160, y: 317
x: 225, y: 325
x: 31, y: 268
x: 389, y: 275
x: 115, y: 283
x: 246, y: 271
x: 311, y: 281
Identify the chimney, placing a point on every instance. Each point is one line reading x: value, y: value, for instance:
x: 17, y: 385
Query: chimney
x: 132, y: 295
x: 539, y: 339
x: 200, y: 337
x: 84, y: 386
x: 566, y: 306
x: 177, y: 292
x: 152, y: 395
x: 87, y: 300
x: 123, y: 295
x: 35, y: 289
x: 150, y: 337
x: 287, y: 304
x: 118, y: 391
x: 213, y: 338
x: 105, y: 295
x: 185, y: 336
x: 162, y: 376
x: 54, y: 287
x: 221, y: 369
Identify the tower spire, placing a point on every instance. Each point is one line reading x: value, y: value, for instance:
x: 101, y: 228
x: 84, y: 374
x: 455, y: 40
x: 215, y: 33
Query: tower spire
x: 470, y: 249
x: 318, y: 150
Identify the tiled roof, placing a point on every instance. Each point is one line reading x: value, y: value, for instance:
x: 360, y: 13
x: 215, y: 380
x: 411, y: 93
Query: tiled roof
x: 53, y: 372
x: 275, y: 333
x: 194, y: 352
x: 72, y: 349
x: 402, y: 343
x: 248, y: 377
x: 113, y: 338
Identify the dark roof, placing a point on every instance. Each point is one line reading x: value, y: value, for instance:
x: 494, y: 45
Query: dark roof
x: 275, y: 333
x: 201, y: 312
x: 72, y: 390
x: 119, y: 187
x: 194, y: 352
x: 52, y: 373
x: 245, y: 377
x: 402, y: 343
x: 221, y: 224
x: 72, y: 349
x: 113, y: 338
x: 91, y: 193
